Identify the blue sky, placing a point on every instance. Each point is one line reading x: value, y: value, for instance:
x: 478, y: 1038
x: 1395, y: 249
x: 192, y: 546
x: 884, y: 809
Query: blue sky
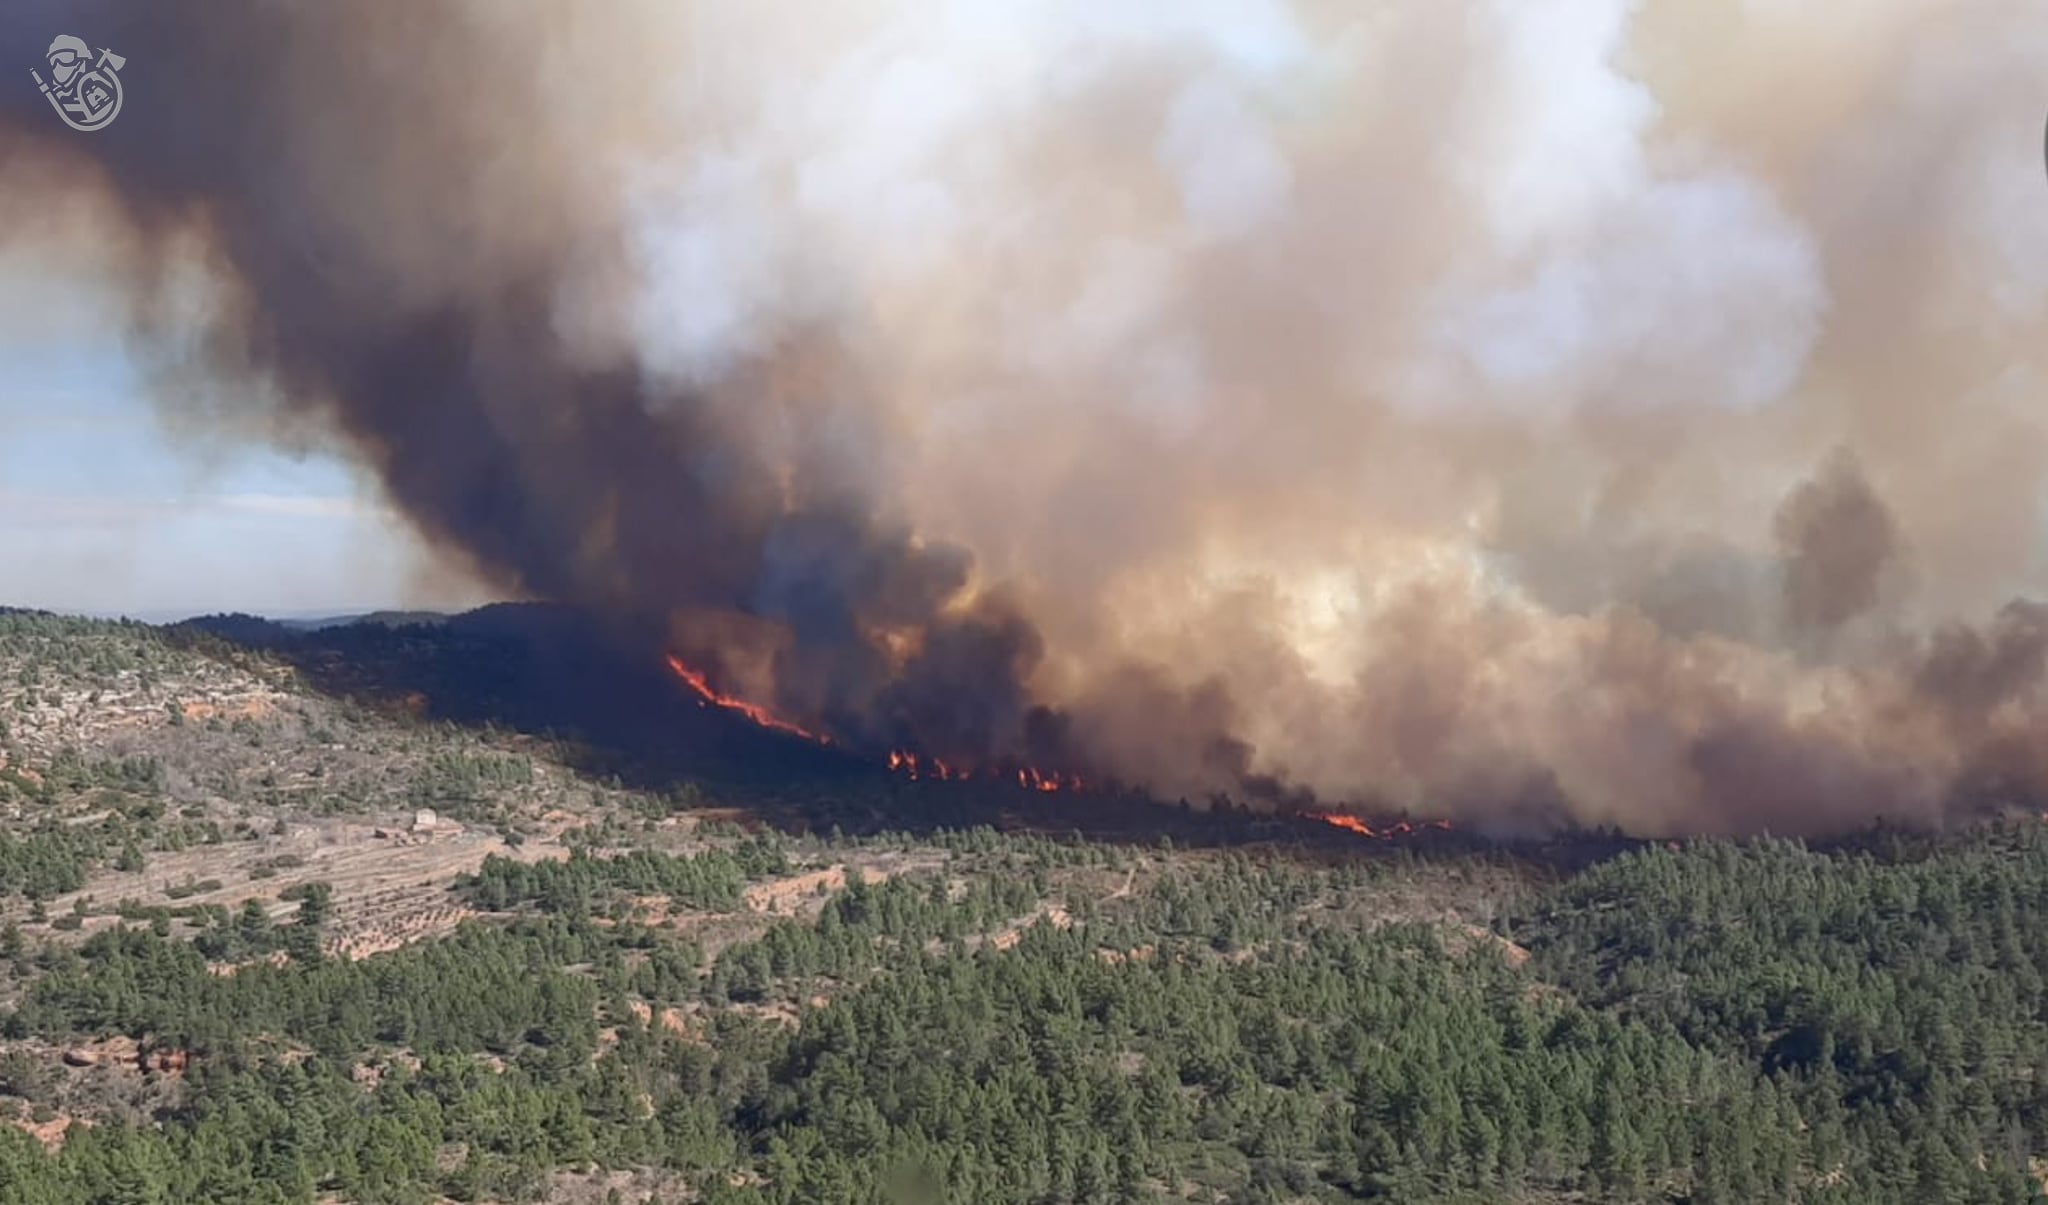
x: 106, y: 510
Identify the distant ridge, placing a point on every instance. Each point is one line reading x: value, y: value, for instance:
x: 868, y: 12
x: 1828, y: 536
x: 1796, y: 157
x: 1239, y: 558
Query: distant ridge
x: 389, y: 619
x: 257, y: 631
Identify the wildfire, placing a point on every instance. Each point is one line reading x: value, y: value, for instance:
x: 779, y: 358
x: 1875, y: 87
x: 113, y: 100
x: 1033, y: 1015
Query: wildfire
x: 696, y: 681
x: 1400, y: 828
x: 1040, y: 780
x: 918, y: 768
x: 921, y: 767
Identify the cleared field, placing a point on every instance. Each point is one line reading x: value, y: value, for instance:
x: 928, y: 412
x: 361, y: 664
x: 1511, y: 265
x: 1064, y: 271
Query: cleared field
x: 390, y: 885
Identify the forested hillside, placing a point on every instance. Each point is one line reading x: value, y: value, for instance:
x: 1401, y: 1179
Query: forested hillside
x: 602, y: 990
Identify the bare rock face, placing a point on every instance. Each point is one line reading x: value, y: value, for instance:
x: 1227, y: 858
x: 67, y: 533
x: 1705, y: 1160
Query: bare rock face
x: 52, y: 1133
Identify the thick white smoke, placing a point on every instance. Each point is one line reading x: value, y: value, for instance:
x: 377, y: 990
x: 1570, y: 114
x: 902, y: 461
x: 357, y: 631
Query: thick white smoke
x: 1400, y: 365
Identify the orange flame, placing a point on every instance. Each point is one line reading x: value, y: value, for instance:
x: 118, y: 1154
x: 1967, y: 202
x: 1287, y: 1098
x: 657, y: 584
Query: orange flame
x: 1400, y: 828
x: 696, y: 681
x: 917, y: 767
x: 1041, y: 780
x: 1341, y: 820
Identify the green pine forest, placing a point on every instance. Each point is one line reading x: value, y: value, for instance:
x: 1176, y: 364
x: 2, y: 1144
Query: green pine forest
x: 1722, y: 1022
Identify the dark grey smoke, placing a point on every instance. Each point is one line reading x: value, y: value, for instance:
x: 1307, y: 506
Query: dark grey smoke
x: 381, y: 185
x: 1836, y: 538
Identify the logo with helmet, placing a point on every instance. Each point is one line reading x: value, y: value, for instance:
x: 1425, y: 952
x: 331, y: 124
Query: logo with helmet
x: 85, y: 93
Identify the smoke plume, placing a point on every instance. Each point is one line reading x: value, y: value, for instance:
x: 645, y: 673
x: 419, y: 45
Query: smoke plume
x: 1622, y: 412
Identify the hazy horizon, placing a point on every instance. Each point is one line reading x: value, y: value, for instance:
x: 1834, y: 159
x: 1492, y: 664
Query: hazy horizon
x: 179, y: 616
x: 107, y: 509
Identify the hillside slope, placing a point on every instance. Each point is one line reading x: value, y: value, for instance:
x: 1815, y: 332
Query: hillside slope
x: 357, y: 915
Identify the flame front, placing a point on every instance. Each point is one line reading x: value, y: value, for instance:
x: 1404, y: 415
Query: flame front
x: 918, y: 767
x: 1340, y: 820
x: 696, y: 681
x: 1048, y: 781
x: 1400, y: 828
x: 922, y: 767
